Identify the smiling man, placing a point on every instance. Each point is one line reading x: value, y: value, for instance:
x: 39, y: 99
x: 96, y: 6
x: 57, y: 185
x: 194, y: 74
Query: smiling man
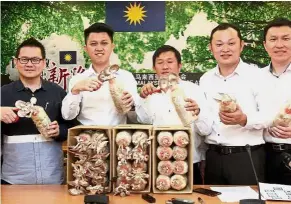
x: 89, y: 99
x: 158, y: 109
x: 227, y: 162
x: 28, y: 156
x: 277, y: 78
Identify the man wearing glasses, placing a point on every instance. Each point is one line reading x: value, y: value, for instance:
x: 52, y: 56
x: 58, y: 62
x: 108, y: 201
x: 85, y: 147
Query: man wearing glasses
x: 28, y: 156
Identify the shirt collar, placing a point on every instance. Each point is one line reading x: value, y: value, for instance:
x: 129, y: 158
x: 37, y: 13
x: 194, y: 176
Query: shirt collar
x: 238, y: 70
x: 91, y: 72
x: 44, y: 85
x: 271, y: 69
x: 20, y: 87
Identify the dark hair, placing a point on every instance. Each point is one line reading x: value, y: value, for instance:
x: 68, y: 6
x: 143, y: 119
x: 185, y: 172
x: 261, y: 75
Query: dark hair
x: 98, y: 28
x: 224, y: 26
x: 276, y: 23
x: 31, y: 42
x: 166, y: 48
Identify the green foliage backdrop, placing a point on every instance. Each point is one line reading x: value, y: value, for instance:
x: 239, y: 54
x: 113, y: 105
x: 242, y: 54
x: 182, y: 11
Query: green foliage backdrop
x: 45, y: 18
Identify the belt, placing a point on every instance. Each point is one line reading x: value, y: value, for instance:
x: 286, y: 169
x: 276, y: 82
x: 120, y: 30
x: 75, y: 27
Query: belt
x: 231, y: 149
x: 278, y: 147
x: 26, y: 139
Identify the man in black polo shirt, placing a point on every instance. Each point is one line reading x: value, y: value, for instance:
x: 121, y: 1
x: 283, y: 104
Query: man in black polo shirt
x: 29, y: 157
x: 277, y: 89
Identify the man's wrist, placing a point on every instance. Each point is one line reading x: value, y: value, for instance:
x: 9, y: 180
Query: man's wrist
x: 243, y: 120
x: 75, y: 91
x: 198, y: 111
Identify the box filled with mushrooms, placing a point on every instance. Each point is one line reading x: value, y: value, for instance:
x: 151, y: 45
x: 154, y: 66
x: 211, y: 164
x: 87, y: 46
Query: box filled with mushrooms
x: 172, y: 160
x: 89, y: 167
x: 132, y: 159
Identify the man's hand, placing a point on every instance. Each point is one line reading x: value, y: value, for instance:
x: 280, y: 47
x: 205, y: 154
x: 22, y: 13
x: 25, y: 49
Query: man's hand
x: 280, y: 132
x: 148, y: 89
x: 53, y: 129
x: 8, y: 115
x: 235, y: 118
x: 127, y: 99
x: 91, y: 84
x: 192, y: 106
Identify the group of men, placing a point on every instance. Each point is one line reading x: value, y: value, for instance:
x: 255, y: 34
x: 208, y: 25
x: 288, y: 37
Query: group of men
x: 220, y: 138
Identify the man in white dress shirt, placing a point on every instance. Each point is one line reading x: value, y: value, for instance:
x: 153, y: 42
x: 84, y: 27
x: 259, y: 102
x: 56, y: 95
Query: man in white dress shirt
x: 227, y: 162
x: 277, y: 89
x: 158, y: 109
x: 89, y: 99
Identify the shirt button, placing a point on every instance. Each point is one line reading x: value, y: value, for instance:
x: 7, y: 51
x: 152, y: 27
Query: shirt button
x: 224, y: 79
x: 218, y: 134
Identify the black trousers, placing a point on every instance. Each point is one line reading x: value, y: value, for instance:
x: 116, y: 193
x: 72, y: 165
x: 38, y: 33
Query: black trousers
x: 234, y: 168
x: 276, y: 171
x: 197, y: 178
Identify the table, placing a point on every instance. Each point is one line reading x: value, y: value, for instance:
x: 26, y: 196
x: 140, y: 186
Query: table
x: 57, y: 194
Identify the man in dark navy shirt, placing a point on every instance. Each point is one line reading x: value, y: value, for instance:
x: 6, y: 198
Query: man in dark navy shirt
x: 28, y: 156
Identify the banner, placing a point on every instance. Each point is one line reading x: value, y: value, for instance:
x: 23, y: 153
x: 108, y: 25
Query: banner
x: 185, y: 25
x: 144, y: 78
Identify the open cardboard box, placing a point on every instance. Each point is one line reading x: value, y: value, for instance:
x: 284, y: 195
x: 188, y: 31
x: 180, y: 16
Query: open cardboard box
x: 71, y: 141
x: 148, y: 129
x: 189, y: 159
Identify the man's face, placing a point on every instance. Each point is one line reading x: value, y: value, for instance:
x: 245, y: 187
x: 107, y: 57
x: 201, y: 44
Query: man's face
x: 278, y: 44
x: 34, y: 67
x: 99, y: 48
x: 226, y: 47
x: 167, y: 63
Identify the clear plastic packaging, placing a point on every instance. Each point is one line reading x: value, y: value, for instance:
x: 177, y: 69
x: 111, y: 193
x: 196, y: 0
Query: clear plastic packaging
x: 41, y: 120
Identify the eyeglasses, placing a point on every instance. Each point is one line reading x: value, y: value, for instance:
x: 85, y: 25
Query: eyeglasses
x: 34, y: 60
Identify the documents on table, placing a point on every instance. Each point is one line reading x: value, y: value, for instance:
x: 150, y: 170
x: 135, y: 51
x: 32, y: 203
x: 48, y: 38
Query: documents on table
x: 275, y: 191
x: 235, y: 194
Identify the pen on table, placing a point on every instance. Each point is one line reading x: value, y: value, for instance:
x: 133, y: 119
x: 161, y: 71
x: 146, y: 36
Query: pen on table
x: 200, y: 200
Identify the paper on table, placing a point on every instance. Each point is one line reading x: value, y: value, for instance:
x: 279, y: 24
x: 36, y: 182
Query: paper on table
x: 235, y: 194
x: 275, y: 191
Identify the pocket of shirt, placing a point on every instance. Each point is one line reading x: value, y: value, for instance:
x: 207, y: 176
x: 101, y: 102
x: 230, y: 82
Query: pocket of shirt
x: 53, y: 109
x: 98, y: 101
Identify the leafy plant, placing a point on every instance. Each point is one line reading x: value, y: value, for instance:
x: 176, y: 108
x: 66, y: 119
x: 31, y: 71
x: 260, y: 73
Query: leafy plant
x: 21, y: 20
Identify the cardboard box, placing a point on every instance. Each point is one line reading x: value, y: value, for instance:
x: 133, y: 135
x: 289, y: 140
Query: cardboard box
x: 189, y: 159
x: 71, y: 141
x: 148, y: 129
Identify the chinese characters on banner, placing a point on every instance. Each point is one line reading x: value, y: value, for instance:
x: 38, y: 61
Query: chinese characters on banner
x: 60, y: 75
x: 144, y: 78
